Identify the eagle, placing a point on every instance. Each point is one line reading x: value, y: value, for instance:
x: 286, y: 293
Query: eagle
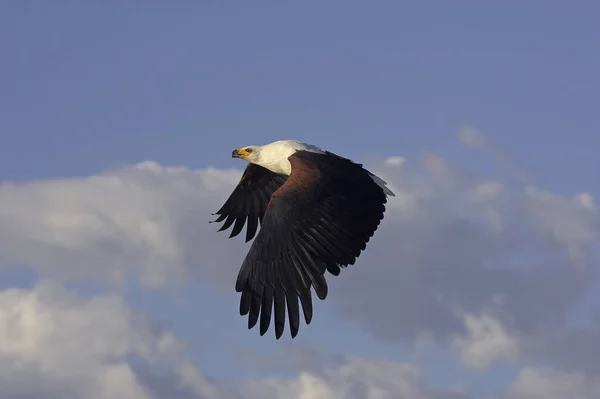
x: 317, y: 211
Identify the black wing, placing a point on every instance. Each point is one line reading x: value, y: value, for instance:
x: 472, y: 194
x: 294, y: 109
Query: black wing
x: 249, y: 200
x: 320, y: 219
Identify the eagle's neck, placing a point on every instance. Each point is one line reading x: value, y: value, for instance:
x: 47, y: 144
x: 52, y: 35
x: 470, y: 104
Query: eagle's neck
x: 274, y: 156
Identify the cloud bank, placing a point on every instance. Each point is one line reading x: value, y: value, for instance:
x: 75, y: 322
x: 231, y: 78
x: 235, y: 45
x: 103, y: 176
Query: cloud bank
x: 492, y: 271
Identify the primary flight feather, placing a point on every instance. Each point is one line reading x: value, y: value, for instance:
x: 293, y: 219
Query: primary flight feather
x: 317, y: 211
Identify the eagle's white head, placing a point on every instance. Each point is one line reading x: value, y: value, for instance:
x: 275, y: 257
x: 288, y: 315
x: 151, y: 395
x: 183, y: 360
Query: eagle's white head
x: 273, y: 156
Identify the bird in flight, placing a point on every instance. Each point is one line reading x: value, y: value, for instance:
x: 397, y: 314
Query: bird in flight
x: 317, y: 211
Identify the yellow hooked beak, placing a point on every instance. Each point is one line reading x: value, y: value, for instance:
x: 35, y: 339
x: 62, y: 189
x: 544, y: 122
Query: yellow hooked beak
x: 241, y: 153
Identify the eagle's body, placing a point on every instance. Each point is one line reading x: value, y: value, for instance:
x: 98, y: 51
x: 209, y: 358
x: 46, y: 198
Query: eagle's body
x: 317, y: 212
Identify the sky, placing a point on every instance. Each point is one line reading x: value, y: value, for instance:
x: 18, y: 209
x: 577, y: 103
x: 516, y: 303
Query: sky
x: 117, y: 121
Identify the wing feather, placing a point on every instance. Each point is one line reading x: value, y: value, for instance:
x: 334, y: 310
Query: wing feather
x: 247, y: 203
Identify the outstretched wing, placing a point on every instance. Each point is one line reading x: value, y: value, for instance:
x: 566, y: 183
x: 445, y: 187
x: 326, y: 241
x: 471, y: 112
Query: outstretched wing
x: 320, y: 219
x: 249, y: 200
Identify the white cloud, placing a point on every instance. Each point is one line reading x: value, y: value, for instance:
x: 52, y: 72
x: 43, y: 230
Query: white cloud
x: 353, y: 379
x: 450, y: 245
x: 469, y: 247
x: 486, y: 342
x: 544, y: 383
x: 395, y: 160
x: 135, y: 219
x: 54, y: 343
x: 201, y: 387
x: 572, y: 222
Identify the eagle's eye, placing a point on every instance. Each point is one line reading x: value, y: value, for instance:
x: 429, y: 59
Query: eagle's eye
x: 248, y: 150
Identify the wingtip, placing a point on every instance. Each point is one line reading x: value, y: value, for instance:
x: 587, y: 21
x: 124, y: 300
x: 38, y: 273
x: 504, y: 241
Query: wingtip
x: 279, y: 333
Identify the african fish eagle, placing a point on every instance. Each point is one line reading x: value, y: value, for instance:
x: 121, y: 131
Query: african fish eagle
x: 317, y: 211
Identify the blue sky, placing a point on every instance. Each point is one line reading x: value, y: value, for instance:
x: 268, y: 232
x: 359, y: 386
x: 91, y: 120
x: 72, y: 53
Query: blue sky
x: 102, y: 84
x: 87, y: 87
